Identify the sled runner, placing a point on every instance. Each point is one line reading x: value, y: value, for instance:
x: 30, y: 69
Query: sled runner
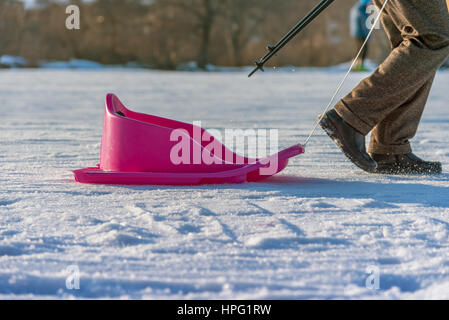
x: 140, y: 149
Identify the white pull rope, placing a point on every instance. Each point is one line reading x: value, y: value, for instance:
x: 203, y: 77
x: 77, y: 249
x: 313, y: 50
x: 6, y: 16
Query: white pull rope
x: 347, y: 74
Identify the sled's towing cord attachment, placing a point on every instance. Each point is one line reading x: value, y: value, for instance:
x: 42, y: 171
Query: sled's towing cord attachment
x: 298, y: 28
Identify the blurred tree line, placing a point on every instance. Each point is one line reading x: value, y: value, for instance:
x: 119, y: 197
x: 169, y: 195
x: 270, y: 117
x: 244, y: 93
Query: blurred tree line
x: 168, y: 33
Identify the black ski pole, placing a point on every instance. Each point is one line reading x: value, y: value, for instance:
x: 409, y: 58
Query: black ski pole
x: 272, y: 50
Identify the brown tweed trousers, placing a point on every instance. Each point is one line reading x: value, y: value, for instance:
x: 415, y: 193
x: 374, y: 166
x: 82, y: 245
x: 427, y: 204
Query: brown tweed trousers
x: 391, y: 101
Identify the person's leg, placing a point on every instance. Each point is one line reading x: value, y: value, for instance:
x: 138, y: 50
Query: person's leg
x: 364, y: 53
x: 348, y: 139
x: 385, y: 131
x: 361, y: 61
x: 392, y: 135
x: 396, y: 126
x: 400, y: 84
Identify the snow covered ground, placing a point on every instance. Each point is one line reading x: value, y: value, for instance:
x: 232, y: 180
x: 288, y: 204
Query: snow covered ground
x: 309, y: 233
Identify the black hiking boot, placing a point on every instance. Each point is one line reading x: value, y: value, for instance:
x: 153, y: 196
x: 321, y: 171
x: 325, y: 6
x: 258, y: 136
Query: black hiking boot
x: 405, y: 164
x: 349, y: 140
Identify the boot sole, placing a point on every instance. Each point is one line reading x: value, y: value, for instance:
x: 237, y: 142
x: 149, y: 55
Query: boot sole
x: 401, y: 171
x: 328, y: 126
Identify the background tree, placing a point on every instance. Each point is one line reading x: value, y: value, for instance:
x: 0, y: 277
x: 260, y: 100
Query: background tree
x: 168, y: 34
x: 12, y: 22
x: 241, y: 20
x: 204, y: 14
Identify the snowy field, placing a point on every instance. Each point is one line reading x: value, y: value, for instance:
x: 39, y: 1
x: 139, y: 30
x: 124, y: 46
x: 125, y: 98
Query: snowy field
x: 309, y: 233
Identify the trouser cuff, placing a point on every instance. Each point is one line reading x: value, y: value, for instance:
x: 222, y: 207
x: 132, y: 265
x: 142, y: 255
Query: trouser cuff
x: 377, y: 148
x: 352, y: 119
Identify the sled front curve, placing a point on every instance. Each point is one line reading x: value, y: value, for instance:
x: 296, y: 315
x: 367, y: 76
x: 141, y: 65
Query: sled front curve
x: 136, y: 149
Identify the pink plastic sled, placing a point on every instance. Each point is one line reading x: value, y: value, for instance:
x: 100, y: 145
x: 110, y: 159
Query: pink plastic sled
x: 140, y: 149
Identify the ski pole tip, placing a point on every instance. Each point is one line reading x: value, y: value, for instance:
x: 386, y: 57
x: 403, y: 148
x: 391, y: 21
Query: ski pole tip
x: 252, y: 72
x: 259, y: 66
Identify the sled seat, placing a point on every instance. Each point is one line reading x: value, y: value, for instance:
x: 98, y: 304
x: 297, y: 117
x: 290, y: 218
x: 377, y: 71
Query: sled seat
x: 141, y: 149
